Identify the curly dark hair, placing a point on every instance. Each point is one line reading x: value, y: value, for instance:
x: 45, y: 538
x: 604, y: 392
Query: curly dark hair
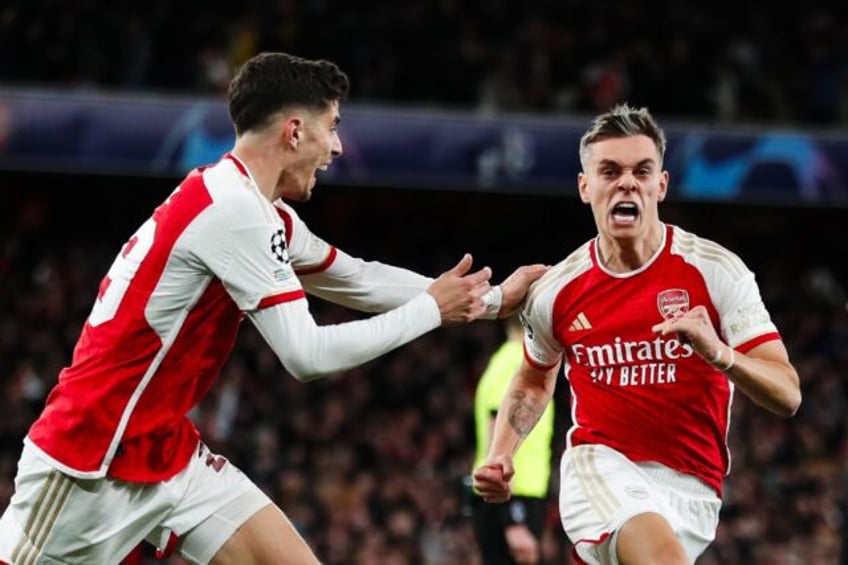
x: 270, y: 82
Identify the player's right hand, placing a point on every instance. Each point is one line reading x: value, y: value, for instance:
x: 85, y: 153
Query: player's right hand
x: 491, y: 479
x: 515, y: 286
x: 459, y: 293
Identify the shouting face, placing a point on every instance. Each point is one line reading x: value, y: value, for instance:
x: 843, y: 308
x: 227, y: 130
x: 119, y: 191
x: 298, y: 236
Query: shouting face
x: 624, y: 183
x: 314, y: 141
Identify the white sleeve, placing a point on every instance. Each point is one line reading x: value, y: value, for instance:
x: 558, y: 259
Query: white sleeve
x: 330, y: 273
x: 540, y: 345
x: 309, y: 351
x: 372, y: 286
x: 733, y: 291
x: 369, y: 286
x: 742, y: 312
x: 244, y: 247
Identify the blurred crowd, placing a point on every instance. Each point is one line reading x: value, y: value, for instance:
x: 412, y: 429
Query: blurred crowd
x: 721, y: 61
x: 370, y: 464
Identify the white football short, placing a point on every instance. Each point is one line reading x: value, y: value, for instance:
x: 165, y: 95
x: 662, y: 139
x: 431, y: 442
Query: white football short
x: 55, y: 518
x: 601, y: 489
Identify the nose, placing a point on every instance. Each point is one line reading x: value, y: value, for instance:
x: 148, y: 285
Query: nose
x: 627, y: 182
x: 337, y: 146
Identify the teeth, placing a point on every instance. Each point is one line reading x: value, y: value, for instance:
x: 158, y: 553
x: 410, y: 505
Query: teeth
x: 625, y: 208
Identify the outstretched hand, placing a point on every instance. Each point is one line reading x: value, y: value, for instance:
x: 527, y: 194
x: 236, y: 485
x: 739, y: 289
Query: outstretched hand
x: 491, y: 479
x: 514, y: 287
x: 458, y: 293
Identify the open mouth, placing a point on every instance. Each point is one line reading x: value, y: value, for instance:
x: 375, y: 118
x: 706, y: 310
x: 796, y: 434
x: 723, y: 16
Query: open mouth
x: 322, y: 169
x: 625, y: 212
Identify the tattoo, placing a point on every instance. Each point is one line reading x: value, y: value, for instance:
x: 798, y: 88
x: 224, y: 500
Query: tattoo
x: 523, y: 413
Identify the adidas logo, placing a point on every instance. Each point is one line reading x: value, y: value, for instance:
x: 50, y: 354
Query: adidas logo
x: 580, y: 323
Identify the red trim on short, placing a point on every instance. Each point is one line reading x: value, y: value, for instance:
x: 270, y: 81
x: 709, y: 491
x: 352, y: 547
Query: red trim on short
x: 169, y: 547
x: 759, y: 340
x: 574, y: 554
x: 601, y: 539
x: 239, y: 165
x: 280, y: 298
x: 535, y: 364
x: 325, y: 264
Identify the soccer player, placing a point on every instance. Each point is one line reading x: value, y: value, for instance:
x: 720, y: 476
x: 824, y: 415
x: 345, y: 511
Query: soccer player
x: 113, y: 459
x: 655, y: 328
x: 511, y: 532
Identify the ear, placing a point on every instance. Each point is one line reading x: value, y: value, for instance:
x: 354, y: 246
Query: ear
x: 583, y: 187
x: 292, y: 128
x: 663, y: 186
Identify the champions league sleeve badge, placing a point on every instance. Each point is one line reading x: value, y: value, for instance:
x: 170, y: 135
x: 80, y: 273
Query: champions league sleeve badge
x: 278, y: 247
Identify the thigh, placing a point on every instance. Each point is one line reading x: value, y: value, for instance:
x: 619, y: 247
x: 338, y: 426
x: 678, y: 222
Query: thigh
x: 266, y: 537
x: 222, y: 512
x: 55, y: 518
x: 600, y: 490
x: 693, y: 507
x: 648, y: 538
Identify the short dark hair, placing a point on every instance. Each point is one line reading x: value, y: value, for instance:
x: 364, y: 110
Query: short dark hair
x: 270, y: 82
x: 622, y: 121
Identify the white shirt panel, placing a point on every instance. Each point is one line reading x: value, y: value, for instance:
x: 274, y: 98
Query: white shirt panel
x: 241, y: 239
x: 732, y: 287
x: 537, y: 316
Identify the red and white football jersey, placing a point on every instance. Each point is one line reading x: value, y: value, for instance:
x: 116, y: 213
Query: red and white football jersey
x: 164, y: 322
x: 650, y: 397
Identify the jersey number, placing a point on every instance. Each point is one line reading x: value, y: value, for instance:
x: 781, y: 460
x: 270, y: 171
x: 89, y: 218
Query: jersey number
x: 121, y: 273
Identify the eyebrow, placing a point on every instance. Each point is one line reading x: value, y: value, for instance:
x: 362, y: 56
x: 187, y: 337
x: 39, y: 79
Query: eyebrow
x: 606, y: 162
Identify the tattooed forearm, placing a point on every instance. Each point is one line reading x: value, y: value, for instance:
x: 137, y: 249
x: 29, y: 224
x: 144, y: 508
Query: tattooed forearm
x: 524, y: 412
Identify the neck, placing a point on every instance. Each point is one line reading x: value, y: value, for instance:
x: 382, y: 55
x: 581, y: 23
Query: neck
x: 262, y: 163
x: 625, y: 255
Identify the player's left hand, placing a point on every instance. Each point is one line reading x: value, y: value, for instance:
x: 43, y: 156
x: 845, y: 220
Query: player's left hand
x: 696, y: 328
x: 514, y: 287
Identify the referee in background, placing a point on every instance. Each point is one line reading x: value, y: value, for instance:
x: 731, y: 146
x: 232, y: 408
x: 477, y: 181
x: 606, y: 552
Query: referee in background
x: 511, y: 532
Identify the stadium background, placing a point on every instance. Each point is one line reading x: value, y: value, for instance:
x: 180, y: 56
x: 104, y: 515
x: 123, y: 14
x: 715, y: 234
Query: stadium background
x: 370, y: 463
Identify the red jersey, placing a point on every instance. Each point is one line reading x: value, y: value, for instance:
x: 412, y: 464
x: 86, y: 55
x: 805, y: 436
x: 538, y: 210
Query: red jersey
x: 164, y: 322
x: 652, y: 398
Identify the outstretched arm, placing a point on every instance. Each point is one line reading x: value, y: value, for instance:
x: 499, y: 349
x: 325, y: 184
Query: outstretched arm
x: 525, y: 400
x: 372, y: 286
x: 368, y: 286
x: 309, y: 351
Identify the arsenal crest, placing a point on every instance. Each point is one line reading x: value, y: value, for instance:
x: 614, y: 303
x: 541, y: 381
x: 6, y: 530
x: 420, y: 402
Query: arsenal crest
x: 671, y: 301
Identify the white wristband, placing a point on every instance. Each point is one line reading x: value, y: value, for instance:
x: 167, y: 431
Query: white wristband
x: 717, y: 357
x: 493, y: 301
x: 731, y: 362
